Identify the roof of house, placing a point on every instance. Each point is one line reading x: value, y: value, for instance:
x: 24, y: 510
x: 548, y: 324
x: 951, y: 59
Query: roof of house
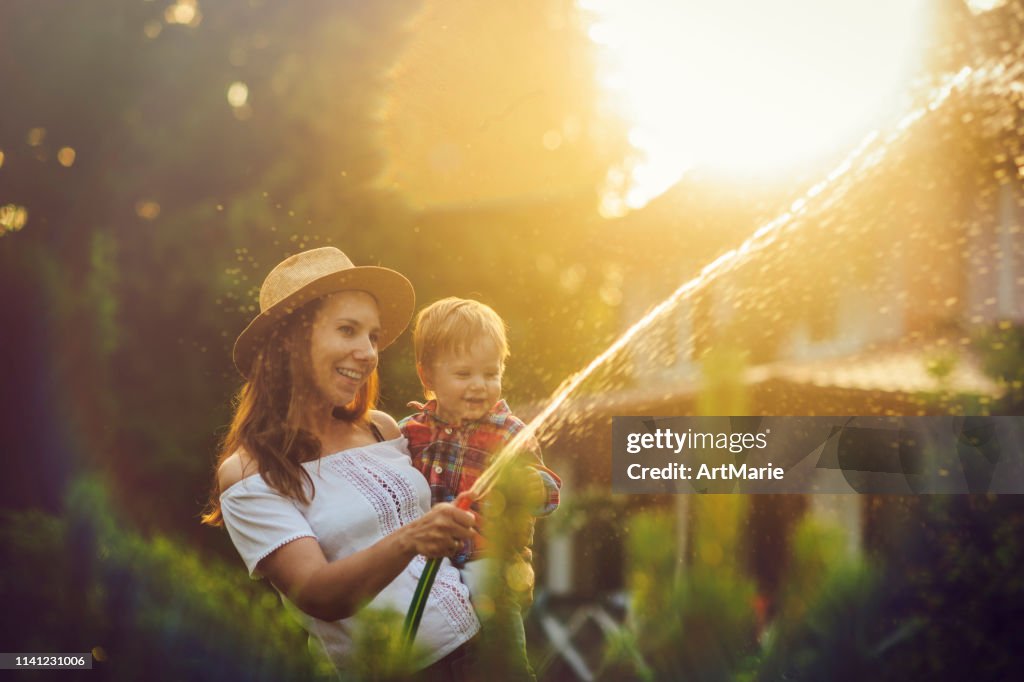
x: 899, y: 370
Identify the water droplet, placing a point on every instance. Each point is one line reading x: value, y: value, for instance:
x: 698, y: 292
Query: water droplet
x: 184, y: 12
x: 147, y: 209
x: 12, y: 218
x: 238, y: 94
x: 66, y: 157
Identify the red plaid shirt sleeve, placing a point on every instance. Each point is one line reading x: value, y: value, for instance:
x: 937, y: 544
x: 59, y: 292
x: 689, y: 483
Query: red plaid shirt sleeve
x: 550, y: 480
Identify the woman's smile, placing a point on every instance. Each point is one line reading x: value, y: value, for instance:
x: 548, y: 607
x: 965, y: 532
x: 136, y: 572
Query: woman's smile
x: 352, y: 374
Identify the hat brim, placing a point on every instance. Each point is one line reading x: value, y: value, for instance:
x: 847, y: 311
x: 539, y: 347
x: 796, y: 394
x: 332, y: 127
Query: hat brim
x: 395, y: 297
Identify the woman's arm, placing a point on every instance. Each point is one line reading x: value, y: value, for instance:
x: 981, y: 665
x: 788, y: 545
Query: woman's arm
x: 338, y: 589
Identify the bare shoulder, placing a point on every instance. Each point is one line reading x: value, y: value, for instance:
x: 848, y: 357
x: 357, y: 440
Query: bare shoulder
x: 386, y: 423
x: 237, y: 466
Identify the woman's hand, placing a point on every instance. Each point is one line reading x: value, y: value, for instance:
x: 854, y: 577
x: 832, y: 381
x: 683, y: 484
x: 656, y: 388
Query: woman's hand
x: 440, y: 532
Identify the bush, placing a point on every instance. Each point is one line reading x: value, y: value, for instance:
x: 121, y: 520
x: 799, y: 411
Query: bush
x: 695, y: 623
x: 151, y: 607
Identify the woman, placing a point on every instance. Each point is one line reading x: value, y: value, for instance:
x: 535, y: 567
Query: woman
x: 315, y: 486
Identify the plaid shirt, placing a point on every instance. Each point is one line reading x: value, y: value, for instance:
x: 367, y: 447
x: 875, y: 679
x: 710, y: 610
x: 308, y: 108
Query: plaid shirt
x: 452, y: 457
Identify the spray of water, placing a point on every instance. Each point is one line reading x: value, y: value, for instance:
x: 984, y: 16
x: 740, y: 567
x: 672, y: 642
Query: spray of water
x: 867, y: 154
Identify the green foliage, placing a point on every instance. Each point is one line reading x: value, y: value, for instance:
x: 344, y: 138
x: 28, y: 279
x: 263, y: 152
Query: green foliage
x: 716, y: 534
x: 819, y: 549
x: 1001, y: 348
x: 694, y: 623
x: 956, y: 564
x: 841, y: 632
x: 508, y: 575
x: 941, y: 365
x: 937, y: 603
x: 832, y: 621
x: 101, y: 288
x: 85, y: 580
x: 379, y: 652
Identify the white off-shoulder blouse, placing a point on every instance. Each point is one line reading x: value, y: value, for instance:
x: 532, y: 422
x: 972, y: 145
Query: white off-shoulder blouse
x: 361, y: 496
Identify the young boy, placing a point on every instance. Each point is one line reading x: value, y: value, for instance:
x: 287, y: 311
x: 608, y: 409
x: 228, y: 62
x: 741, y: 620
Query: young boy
x: 461, y: 348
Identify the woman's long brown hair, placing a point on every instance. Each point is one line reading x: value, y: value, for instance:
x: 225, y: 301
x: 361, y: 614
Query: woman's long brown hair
x: 268, y: 409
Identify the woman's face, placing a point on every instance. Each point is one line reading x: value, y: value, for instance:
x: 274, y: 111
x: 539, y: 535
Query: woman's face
x: 343, y: 345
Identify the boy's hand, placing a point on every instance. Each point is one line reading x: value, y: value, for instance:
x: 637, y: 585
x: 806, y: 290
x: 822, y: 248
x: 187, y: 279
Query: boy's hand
x: 535, y: 493
x: 524, y: 487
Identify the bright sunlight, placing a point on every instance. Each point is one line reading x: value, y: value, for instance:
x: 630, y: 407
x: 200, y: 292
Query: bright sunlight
x: 748, y: 87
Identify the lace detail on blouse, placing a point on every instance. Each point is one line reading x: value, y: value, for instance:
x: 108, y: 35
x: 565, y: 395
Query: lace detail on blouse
x: 392, y: 497
x: 394, y: 501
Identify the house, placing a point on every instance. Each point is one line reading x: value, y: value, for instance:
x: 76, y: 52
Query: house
x: 885, y: 296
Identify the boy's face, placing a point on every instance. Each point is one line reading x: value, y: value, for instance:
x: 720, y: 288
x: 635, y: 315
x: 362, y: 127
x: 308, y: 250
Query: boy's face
x: 466, y: 383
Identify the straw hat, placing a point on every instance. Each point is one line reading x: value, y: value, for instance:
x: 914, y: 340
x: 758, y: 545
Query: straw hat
x: 311, y: 274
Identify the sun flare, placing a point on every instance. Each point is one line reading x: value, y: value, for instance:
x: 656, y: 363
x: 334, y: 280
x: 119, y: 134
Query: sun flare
x: 748, y: 87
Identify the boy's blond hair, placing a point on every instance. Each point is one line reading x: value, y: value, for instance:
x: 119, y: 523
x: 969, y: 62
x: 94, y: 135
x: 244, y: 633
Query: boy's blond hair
x: 453, y: 325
